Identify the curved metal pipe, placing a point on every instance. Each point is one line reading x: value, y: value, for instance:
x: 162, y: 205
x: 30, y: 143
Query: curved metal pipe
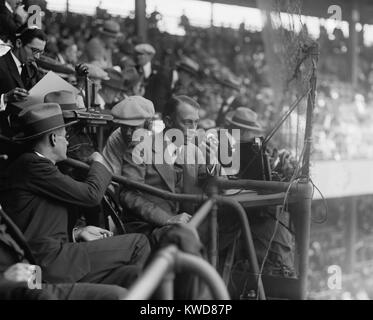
x: 192, y: 263
x: 248, y: 239
x: 143, y: 187
x: 154, y: 273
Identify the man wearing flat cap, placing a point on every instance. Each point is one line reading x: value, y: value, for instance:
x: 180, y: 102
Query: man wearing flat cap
x: 131, y: 114
x: 157, y: 81
x: 99, y: 50
x: 37, y: 197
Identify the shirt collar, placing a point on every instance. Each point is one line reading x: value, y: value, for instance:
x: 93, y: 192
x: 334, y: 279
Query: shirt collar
x: 39, y: 154
x: 230, y: 99
x: 9, y: 7
x: 147, y: 70
x: 17, y: 62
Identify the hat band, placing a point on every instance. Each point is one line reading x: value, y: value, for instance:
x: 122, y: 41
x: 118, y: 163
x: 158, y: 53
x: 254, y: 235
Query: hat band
x: 44, y: 125
x: 110, y: 31
x: 245, y: 122
x: 68, y: 106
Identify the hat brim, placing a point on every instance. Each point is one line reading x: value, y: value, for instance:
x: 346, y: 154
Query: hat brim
x: 132, y: 123
x: 109, y: 34
x: 256, y: 128
x: 22, y: 138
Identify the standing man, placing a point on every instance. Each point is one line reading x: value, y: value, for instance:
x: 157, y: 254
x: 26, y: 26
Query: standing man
x: 12, y: 17
x: 229, y: 91
x: 157, y: 82
x: 99, y: 50
x: 37, y: 196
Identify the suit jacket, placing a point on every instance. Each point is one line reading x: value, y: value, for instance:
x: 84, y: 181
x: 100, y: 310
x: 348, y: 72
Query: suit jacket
x: 158, y: 88
x: 13, y: 245
x: 10, y: 79
x: 37, y: 196
x: 144, y: 206
x: 9, y: 23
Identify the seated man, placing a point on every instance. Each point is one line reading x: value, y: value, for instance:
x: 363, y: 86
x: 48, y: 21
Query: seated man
x: 37, y: 196
x: 256, y: 165
x: 178, y: 171
x: 18, y: 274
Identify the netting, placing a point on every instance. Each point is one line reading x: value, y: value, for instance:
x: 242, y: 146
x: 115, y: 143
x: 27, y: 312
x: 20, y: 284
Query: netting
x: 289, y: 67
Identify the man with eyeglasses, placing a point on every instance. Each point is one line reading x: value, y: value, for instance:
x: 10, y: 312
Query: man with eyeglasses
x: 39, y: 199
x: 19, y: 73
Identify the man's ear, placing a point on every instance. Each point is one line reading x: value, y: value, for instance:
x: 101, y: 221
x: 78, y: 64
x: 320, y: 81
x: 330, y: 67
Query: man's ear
x: 168, y: 122
x: 18, y: 43
x: 52, y: 139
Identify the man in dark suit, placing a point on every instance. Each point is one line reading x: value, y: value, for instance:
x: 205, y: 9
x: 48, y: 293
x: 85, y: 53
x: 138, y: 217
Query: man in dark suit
x: 157, y: 82
x: 12, y: 16
x: 18, y: 73
x: 17, y: 269
x: 229, y: 90
x: 37, y: 196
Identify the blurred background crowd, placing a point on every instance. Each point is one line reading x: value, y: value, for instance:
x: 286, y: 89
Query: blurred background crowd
x: 343, y: 115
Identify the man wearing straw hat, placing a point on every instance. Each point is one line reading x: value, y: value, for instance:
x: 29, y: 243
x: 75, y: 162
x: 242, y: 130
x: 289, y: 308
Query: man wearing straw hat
x: 37, y: 196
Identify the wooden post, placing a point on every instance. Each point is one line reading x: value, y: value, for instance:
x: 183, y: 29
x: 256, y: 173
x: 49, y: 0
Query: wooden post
x: 354, y: 43
x: 350, y: 235
x: 140, y: 17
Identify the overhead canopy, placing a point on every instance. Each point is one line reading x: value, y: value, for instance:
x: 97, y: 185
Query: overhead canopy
x: 319, y: 8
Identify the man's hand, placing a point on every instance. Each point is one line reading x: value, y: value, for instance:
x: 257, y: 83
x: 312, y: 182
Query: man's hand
x: 180, y: 218
x: 20, y: 272
x: 81, y: 70
x: 16, y: 95
x: 91, y: 233
x: 212, y: 146
x: 21, y: 13
x: 96, y: 156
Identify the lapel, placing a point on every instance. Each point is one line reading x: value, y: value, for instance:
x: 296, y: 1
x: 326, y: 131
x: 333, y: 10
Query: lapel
x: 13, y: 71
x: 166, y: 171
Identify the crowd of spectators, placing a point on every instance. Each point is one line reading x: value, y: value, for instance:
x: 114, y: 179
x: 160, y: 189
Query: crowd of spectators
x: 342, y: 115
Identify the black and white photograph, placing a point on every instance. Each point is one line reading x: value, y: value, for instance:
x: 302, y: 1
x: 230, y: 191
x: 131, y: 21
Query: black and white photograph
x: 186, y: 154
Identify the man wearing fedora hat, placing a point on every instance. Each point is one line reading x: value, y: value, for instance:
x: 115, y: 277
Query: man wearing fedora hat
x: 99, y: 50
x: 37, y: 196
x: 255, y: 163
x: 187, y: 71
x: 229, y: 93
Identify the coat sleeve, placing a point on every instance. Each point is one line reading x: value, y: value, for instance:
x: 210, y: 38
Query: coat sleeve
x: 138, y: 202
x: 47, y: 180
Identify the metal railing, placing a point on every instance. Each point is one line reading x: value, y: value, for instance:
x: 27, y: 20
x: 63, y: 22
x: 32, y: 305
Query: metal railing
x: 299, y: 195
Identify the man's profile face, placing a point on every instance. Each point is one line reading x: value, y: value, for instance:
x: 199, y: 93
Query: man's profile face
x: 143, y: 58
x: 127, y: 133
x: 186, y: 119
x: 61, y: 144
x: 32, y: 50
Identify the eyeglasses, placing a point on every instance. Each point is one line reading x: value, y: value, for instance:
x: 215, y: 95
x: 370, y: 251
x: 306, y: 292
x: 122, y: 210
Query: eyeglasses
x: 35, y: 51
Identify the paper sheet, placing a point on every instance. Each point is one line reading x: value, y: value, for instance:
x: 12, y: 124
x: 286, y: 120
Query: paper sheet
x: 49, y: 83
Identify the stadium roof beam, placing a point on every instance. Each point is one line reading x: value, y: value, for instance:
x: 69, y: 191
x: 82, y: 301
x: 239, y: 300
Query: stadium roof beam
x: 317, y: 8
